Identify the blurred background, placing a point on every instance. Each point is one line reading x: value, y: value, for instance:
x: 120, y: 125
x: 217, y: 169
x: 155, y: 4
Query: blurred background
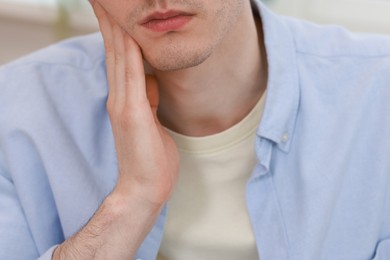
x: 28, y: 25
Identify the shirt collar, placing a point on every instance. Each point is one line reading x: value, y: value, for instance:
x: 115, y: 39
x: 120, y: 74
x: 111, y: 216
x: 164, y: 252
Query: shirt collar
x: 283, y: 93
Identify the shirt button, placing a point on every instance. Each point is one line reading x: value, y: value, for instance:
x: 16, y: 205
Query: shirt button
x: 284, y: 138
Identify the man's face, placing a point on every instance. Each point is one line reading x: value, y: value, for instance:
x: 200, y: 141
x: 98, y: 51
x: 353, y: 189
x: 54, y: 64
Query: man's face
x: 200, y: 27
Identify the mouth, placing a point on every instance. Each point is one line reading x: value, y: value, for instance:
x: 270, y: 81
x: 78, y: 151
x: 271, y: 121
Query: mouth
x: 167, y: 21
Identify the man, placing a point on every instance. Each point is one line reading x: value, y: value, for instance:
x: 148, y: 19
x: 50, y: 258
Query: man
x: 253, y: 136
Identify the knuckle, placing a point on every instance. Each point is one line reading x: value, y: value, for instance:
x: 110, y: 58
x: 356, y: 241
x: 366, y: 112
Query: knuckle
x: 129, y: 72
x: 118, y: 59
x: 110, y: 106
x: 113, y: 116
x: 109, y: 49
x: 113, y: 111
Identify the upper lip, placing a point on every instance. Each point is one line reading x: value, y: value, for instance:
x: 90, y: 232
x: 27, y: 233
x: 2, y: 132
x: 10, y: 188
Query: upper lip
x: 163, y: 15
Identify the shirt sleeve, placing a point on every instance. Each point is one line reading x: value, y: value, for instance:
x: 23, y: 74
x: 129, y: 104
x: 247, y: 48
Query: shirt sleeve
x: 383, y: 250
x: 48, y: 254
x: 16, y: 241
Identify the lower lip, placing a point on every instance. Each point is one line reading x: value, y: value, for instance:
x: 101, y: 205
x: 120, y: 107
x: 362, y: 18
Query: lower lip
x: 171, y: 24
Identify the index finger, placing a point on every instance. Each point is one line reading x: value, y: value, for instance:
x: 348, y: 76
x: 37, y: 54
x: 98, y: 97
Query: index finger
x: 105, y: 26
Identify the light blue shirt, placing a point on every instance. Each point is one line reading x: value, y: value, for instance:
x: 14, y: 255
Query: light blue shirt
x: 319, y: 191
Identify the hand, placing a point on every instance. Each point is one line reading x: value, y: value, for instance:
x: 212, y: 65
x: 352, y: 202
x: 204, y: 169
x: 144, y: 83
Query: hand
x: 148, y: 160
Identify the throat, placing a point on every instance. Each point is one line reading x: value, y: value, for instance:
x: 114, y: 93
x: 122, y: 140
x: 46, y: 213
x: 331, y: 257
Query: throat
x: 207, y: 116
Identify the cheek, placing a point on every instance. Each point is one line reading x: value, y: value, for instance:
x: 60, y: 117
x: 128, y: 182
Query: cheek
x: 227, y: 13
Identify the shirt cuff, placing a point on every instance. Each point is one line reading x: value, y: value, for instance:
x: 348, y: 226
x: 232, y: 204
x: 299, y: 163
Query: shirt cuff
x: 48, y: 254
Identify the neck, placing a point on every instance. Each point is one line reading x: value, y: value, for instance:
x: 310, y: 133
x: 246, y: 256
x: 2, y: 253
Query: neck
x: 214, y: 96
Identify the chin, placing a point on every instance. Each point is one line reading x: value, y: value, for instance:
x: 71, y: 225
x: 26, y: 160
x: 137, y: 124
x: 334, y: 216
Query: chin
x: 175, y: 65
x: 173, y: 58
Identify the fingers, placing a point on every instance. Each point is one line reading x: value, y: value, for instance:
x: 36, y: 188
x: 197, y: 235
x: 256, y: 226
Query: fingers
x: 107, y: 33
x: 134, y: 71
x: 119, y: 69
x: 124, y: 60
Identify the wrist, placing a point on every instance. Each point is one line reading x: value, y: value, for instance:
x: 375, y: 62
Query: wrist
x: 123, y: 202
x: 56, y: 253
x: 150, y: 196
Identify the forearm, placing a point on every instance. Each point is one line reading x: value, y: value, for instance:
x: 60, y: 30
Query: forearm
x: 116, y: 231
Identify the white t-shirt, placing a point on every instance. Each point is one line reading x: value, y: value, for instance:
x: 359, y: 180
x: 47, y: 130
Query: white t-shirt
x: 207, y: 214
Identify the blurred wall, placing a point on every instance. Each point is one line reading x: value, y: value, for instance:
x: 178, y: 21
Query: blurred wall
x: 21, y: 34
x: 25, y: 29
x: 20, y: 37
x: 369, y: 16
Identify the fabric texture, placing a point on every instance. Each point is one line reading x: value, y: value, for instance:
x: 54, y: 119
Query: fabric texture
x: 319, y: 190
x: 214, y: 170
